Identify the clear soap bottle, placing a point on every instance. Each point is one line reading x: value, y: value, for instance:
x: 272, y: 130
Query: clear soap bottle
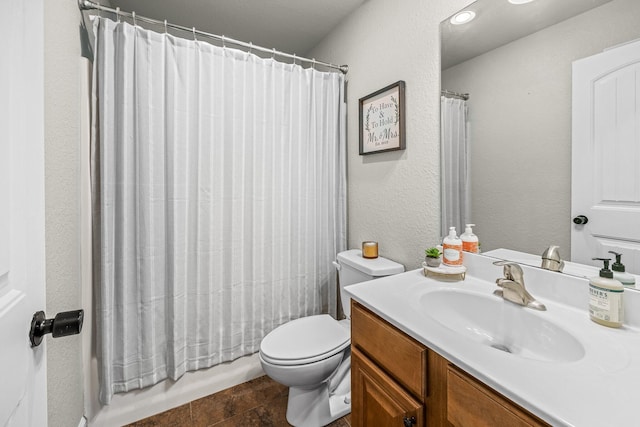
x: 619, y: 272
x: 605, y: 298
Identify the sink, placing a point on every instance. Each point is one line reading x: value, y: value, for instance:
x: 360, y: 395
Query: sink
x: 502, y: 325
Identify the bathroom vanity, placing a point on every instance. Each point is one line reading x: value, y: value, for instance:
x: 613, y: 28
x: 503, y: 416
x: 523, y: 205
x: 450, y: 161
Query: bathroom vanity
x: 398, y: 381
x: 440, y: 353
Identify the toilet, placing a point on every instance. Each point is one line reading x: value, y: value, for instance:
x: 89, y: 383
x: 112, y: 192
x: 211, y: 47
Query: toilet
x: 312, y: 355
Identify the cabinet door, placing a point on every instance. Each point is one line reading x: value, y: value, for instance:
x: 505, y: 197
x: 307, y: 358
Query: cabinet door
x: 378, y: 401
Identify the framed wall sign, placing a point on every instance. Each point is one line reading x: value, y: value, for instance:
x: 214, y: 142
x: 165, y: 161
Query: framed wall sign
x: 382, y: 120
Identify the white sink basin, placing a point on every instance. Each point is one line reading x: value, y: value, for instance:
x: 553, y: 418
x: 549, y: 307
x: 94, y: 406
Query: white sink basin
x: 507, y: 327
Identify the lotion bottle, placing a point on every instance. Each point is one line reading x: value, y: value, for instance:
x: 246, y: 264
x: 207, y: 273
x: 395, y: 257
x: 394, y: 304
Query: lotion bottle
x: 469, y: 240
x: 619, y: 274
x: 452, y: 249
x: 605, y: 298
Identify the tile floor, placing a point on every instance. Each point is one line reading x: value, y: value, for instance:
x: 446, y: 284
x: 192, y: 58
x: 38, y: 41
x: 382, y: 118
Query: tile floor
x: 257, y: 403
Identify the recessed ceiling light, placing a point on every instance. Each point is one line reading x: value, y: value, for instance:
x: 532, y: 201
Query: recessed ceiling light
x: 520, y: 1
x: 463, y: 17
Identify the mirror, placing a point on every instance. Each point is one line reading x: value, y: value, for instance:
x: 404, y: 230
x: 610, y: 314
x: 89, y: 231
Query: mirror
x: 514, y: 61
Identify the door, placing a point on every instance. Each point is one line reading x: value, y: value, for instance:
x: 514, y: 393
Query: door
x: 606, y: 156
x: 378, y: 401
x: 22, y: 369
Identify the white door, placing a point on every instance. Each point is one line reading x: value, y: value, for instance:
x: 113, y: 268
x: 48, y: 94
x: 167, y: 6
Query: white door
x: 22, y: 280
x: 606, y: 156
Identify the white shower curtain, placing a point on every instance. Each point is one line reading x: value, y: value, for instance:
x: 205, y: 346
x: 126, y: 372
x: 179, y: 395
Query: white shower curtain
x: 454, y: 164
x: 219, y: 201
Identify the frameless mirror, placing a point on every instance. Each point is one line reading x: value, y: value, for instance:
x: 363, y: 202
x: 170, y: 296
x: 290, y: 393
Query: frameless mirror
x: 515, y: 63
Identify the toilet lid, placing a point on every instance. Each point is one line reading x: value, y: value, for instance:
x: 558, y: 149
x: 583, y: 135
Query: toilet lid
x: 376, y: 267
x: 305, y: 340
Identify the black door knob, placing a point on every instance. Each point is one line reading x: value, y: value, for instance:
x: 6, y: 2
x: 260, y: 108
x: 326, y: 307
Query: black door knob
x: 64, y: 324
x: 409, y: 421
x: 580, y: 220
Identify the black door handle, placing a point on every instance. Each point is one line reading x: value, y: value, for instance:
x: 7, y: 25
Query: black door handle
x: 580, y: 220
x: 409, y: 422
x: 64, y: 324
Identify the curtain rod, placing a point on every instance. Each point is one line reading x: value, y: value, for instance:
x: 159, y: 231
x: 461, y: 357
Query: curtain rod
x: 464, y: 96
x: 90, y: 5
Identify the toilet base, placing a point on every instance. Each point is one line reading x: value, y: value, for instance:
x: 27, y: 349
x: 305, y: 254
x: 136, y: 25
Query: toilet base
x: 315, y: 407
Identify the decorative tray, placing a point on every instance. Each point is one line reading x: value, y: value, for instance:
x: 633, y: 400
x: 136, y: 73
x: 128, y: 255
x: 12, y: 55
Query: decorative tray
x: 445, y: 270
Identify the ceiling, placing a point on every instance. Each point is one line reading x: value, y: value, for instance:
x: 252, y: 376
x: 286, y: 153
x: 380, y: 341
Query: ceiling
x: 498, y: 22
x: 292, y: 26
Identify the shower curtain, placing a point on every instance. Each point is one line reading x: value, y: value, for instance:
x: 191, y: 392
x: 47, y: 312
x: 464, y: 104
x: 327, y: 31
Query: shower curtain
x: 454, y: 164
x: 219, y: 201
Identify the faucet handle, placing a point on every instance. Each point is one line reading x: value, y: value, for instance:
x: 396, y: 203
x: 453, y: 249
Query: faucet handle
x: 551, y: 259
x: 512, y: 271
x: 513, y: 288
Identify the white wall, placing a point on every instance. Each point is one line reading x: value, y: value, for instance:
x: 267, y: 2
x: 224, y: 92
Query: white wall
x: 394, y: 197
x: 62, y: 53
x: 520, y: 112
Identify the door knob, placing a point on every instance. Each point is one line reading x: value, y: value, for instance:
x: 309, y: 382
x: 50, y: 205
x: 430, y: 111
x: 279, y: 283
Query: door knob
x: 580, y: 220
x: 64, y: 324
x: 409, y: 422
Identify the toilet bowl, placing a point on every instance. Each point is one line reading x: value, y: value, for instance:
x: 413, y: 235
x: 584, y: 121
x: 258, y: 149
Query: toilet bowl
x: 312, y: 355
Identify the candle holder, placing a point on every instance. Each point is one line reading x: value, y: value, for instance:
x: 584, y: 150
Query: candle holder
x: 370, y: 250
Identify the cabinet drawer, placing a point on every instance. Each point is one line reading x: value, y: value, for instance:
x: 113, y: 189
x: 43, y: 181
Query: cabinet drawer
x: 401, y: 356
x: 471, y: 403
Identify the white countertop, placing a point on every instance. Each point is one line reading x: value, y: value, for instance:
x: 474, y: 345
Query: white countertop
x: 600, y: 389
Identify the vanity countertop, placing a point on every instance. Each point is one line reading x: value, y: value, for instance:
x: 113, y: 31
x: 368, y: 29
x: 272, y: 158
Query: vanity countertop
x: 598, y: 389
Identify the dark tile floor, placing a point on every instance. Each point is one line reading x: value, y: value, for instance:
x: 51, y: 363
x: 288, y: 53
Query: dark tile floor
x: 257, y: 403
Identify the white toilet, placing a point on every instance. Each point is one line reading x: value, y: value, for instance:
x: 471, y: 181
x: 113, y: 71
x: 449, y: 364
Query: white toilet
x: 312, y: 356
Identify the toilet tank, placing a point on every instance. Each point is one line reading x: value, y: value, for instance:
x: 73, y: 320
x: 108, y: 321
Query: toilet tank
x: 353, y: 268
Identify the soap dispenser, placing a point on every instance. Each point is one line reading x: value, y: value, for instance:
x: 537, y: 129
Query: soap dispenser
x: 605, y: 298
x: 619, y: 274
x: 452, y: 249
x: 469, y: 240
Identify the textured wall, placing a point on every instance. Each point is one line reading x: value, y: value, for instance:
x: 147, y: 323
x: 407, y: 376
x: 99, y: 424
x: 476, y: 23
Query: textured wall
x: 394, y: 197
x: 520, y: 112
x: 62, y: 53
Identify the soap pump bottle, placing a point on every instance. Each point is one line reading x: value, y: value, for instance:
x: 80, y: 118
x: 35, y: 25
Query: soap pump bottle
x: 605, y: 298
x: 452, y: 249
x: 619, y: 274
x: 469, y: 240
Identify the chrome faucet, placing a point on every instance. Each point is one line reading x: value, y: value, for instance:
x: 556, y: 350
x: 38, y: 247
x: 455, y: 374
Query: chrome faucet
x: 551, y: 259
x: 512, y: 285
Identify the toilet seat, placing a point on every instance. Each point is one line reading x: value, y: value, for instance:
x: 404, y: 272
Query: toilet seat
x: 305, y: 340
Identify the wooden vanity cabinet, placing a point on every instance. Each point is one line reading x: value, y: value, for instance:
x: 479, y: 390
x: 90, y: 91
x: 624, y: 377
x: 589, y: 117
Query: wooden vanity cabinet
x: 397, y: 381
